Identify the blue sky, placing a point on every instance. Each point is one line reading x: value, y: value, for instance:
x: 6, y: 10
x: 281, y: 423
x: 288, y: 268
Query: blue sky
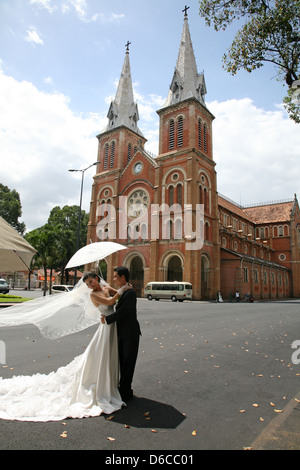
x: 60, y: 61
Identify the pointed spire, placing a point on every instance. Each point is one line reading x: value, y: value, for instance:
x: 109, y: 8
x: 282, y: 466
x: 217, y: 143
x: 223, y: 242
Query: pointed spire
x: 186, y: 82
x: 123, y: 111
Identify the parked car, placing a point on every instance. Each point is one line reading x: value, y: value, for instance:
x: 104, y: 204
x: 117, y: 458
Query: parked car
x: 61, y: 288
x: 4, y: 287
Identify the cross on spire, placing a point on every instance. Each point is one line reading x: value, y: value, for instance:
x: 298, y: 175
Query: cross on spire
x: 127, y: 46
x: 185, y: 10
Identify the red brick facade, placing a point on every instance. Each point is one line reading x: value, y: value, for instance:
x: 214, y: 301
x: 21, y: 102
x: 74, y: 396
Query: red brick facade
x: 260, y: 249
x: 253, y: 250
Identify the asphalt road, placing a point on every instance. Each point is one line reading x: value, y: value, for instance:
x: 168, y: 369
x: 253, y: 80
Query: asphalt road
x: 209, y: 376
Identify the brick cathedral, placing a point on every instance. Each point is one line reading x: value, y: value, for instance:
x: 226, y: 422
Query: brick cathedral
x: 253, y: 250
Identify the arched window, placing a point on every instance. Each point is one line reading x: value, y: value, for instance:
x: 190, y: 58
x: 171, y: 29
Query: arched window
x: 199, y: 133
x: 106, y: 156
x: 112, y: 154
x: 178, y: 229
x: 205, y: 200
x: 201, y: 195
x: 171, y: 195
x: 206, y: 231
x: 204, y: 138
x: 129, y: 153
x: 171, y: 134
x: 179, y: 194
x: 180, y: 132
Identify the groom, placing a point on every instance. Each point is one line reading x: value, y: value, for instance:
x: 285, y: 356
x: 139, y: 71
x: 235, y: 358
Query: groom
x: 128, y: 332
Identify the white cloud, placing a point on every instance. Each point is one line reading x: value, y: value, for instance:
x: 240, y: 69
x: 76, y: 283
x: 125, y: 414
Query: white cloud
x: 40, y: 139
x: 47, y: 4
x: 33, y: 36
x: 48, y: 81
x: 116, y: 18
x: 256, y: 152
x: 81, y: 9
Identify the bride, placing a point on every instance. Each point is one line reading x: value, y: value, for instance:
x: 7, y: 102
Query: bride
x: 87, y: 386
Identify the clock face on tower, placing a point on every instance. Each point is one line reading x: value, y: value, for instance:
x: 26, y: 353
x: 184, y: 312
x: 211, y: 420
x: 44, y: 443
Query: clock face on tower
x: 137, y: 168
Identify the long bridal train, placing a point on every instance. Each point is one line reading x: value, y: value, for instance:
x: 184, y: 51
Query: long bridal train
x: 87, y: 386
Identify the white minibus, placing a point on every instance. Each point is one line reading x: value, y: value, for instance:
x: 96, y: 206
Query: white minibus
x: 169, y: 290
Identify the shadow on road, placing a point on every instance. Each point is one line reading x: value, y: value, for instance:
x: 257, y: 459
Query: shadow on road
x: 145, y: 413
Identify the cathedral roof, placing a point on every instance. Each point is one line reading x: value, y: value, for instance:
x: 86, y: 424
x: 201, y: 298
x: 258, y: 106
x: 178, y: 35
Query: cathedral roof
x: 232, y: 207
x: 123, y: 111
x: 261, y: 214
x: 186, y: 82
x: 269, y: 213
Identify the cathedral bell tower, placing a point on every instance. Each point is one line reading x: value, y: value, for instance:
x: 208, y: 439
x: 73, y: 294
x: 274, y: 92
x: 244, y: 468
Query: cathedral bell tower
x: 186, y: 163
x: 121, y: 136
x: 117, y: 144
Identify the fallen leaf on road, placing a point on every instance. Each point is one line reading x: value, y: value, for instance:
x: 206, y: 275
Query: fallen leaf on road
x: 194, y: 433
x: 64, y: 434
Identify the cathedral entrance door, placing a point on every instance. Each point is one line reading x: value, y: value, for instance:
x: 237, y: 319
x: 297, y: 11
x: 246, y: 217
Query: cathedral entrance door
x: 174, y: 269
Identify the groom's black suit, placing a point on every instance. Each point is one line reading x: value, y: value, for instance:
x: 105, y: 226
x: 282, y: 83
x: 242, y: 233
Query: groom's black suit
x: 128, y: 337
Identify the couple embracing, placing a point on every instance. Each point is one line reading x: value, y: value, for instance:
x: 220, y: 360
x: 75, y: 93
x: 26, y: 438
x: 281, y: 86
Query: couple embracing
x: 125, y: 316
x: 95, y: 382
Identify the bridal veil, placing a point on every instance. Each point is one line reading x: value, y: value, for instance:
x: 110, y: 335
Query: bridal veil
x: 55, y: 315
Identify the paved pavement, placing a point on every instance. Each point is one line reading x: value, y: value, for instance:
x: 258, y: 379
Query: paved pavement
x: 209, y: 377
x: 283, y: 432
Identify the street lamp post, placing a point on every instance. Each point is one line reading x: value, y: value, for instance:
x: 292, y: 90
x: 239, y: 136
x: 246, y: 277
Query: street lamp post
x: 79, y: 215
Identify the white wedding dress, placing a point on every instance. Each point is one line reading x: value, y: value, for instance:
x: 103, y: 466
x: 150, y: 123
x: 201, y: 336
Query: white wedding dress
x: 87, y: 386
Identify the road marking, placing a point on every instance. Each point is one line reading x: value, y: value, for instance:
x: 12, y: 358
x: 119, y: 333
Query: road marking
x: 269, y: 432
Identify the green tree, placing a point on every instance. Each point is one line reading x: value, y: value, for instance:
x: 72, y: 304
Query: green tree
x: 45, y: 241
x: 65, y: 221
x: 10, y: 208
x: 56, y: 241
x: 270, y: 33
